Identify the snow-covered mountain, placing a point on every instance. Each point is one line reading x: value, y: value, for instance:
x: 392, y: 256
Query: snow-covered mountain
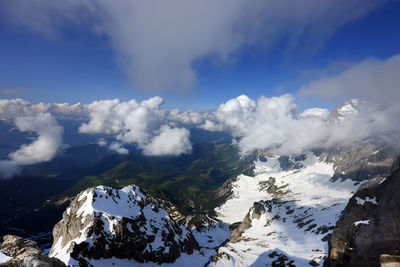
x: 104, y: 223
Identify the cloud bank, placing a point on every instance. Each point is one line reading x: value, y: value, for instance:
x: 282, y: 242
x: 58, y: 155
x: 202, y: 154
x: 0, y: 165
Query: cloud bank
x: 44, y: 148
x: 276, y: 125
x: 273, y: 124
x: 158, y: 42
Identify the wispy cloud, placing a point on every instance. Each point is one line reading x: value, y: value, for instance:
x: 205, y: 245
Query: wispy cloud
x: 373, y: 80
x: 157, y: 42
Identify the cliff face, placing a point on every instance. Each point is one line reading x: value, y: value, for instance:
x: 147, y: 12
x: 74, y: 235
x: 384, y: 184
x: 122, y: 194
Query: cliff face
x: 103, y: 223
x: 369, y: 226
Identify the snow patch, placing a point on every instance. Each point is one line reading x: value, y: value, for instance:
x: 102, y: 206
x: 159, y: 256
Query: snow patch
x: 357, y: 223
x: 4, y: 258
x: 212, y: 236
x: 361, y: 201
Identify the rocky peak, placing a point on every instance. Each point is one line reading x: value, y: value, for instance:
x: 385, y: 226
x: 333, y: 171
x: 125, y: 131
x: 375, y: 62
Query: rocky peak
x: 20, y: 252
x: 102, y: 223
x: 345, y: 109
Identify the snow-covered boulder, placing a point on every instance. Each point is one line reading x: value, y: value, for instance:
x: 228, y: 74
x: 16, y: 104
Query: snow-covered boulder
x: 105, y: 223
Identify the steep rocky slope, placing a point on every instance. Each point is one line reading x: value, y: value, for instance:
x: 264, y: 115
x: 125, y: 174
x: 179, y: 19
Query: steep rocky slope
x: 105, y: 223
x: 369, y: 226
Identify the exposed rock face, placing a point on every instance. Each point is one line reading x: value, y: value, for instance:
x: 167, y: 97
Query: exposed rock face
x: 369, y: 225
x: 25, y: 253
x: 254, y: 213
x: 345, y: 109
x: 103, y: 223
x: 360, y: 162
x: 291, y: 163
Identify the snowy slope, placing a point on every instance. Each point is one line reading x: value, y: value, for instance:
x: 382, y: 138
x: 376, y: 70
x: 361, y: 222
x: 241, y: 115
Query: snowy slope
x: 4, y: 258
x: 288, y: 223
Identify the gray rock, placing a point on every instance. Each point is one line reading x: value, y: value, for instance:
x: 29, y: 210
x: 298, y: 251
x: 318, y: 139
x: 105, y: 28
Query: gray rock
x: 369, y: 225
x: 360, y: 162
x: 26, y: 253
x: 387, y: 260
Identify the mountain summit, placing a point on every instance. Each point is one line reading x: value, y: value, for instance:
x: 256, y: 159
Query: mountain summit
x: 102, y: 223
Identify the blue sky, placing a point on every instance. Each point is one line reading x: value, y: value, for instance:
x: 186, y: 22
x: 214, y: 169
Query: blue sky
x: 74, y: 64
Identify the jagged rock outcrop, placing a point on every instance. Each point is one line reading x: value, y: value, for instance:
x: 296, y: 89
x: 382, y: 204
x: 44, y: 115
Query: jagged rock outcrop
x: 360, y: 162
x: 369, y: 226
x: 254, y: 212
x: 103, y: 222
x: 25, y: 253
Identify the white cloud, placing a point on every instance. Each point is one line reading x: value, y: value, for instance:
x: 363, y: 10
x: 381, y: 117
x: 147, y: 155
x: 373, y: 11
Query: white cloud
x: 129, y: 122
x: 169, y: 141
x: 373, y: 80
x: 44, y: 148
x: 12, y: 108
x: 101, y: 142
x: 117, y: 147
x: 143, y: 123
x: 187, y: 116
x: 316, y: 112
x: 158, y: 42
x: 210, y: 125
x: 275, y: 124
